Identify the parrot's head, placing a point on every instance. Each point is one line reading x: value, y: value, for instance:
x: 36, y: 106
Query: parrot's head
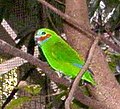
x: 42, y: 35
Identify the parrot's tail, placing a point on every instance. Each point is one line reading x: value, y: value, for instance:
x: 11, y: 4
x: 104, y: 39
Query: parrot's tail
x: 88, y: 77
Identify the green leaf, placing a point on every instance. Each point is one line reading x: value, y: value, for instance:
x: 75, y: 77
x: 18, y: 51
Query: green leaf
x: 16, y: 103
x: 33, y: 89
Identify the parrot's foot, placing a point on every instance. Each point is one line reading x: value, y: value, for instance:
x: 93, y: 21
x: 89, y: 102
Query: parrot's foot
x: 84, y: 82
x: 68, y: 78
x: 59, y: 73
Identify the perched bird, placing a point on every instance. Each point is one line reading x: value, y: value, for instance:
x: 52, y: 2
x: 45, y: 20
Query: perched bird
x: 60, y: 55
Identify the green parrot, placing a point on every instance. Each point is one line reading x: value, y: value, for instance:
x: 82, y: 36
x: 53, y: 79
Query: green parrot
x: 60, y: 55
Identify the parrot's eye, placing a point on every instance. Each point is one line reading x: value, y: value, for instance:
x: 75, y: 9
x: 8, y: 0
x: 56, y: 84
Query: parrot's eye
x: 43, y: 33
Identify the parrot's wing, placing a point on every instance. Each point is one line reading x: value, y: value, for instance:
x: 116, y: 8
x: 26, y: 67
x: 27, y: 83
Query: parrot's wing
x: 63, y: 52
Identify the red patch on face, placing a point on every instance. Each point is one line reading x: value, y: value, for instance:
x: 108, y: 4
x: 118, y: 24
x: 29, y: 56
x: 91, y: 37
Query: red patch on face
x: 44, y: 37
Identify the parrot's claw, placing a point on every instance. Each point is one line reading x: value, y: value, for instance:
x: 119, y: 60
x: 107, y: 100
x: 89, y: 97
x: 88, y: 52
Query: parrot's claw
x: 59, y: 73
x: 68, y: 78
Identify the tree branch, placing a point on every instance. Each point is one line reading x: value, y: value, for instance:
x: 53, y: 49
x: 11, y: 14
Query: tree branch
x: 86, y: 31
x: 7, y: 48
x: 60, y: 2
x: 7, y: 66
x: 77, y: 79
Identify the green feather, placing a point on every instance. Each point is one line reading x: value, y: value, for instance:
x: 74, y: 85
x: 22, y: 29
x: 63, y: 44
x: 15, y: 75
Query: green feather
x: 61, y: 56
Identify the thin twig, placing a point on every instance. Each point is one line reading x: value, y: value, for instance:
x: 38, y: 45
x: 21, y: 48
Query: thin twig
x: 7, y: 66
x: 61, y: 3
x: 54, y: 94
x: 77, y: 79
x: 89, y: 33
